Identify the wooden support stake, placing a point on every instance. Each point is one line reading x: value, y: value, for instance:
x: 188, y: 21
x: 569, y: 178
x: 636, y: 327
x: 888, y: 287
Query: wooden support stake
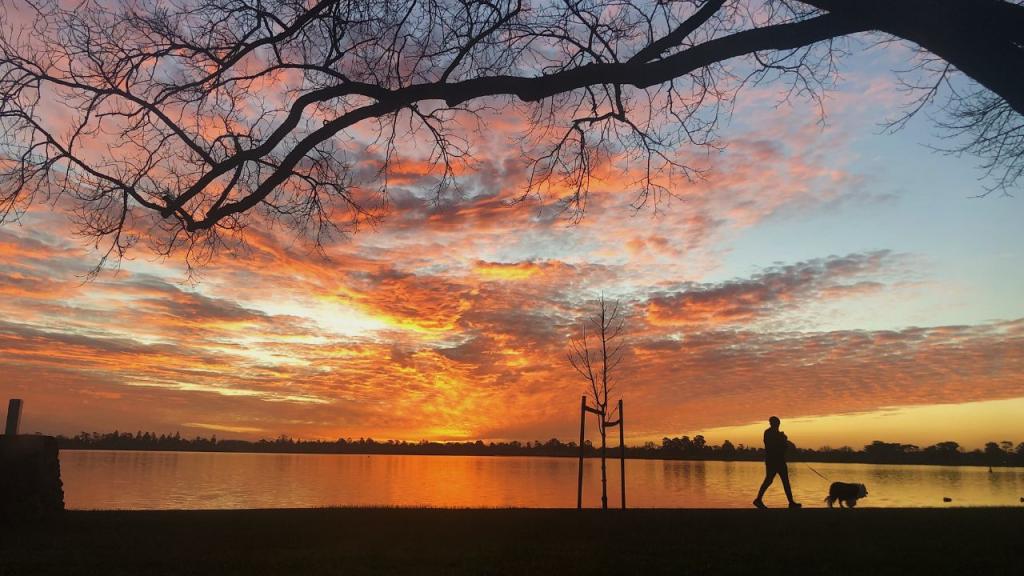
x: 579, y: 482
x: 622, y: 454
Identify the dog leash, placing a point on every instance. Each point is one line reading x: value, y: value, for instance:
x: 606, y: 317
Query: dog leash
x: 822, y: 476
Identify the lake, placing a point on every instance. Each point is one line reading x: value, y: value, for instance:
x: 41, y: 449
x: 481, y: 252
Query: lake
x: 97, y: 479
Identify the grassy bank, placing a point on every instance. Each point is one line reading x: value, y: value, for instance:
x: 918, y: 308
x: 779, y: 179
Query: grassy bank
x: 527, y: 542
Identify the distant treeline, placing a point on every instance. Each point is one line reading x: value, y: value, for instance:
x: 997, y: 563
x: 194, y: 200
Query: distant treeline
x: 682, y: 448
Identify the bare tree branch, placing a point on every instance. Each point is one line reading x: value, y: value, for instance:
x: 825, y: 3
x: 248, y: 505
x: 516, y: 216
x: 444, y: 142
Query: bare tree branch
x: 181, y: 122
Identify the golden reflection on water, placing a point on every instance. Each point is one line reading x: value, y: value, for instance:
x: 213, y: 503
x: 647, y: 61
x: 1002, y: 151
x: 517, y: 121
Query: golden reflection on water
x: 181, y: 480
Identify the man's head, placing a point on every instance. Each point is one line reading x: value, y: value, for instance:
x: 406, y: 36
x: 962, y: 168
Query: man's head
x: 774, y: 422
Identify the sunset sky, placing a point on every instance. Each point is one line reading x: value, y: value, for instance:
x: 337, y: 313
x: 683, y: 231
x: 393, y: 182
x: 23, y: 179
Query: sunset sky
x: 849, y: 281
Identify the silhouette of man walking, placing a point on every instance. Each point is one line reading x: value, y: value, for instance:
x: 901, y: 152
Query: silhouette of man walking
x: 775, y: 446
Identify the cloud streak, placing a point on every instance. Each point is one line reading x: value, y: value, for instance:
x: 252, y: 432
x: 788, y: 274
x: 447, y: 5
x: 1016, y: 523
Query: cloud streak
x: 768, y: 293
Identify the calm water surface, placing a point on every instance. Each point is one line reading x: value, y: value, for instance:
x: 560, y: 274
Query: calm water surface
x: 189, y: 480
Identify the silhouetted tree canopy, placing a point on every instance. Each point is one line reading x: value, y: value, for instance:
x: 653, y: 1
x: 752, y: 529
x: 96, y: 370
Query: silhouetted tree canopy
x: 678, y: 448
x: 183, y: 122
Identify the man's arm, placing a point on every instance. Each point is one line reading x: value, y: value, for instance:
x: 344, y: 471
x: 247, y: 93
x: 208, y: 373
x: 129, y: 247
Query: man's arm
x: 786, y: 443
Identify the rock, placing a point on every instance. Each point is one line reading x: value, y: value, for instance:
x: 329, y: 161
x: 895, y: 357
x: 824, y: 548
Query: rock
x: 947, y: 499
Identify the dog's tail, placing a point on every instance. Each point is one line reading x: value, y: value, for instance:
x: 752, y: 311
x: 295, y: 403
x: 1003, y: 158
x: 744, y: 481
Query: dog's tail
x: 831, y: 500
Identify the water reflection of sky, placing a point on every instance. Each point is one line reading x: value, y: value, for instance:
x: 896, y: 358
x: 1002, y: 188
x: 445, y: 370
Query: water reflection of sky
x: 151, y: 480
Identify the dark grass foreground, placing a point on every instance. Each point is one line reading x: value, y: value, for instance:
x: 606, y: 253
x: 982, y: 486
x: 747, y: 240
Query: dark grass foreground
x: 522, y: 542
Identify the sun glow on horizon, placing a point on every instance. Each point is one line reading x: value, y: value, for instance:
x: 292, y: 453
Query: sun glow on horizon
x: 921, y: 425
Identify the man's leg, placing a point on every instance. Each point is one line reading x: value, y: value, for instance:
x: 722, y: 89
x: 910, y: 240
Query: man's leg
x: 784, y: 475
x: 769, y: 476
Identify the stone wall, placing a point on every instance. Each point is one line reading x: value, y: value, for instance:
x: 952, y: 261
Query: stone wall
x: 30, y: 485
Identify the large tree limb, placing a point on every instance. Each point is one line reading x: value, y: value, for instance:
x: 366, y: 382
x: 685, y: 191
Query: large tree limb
x: 982, y: 38
x: 639, y: 74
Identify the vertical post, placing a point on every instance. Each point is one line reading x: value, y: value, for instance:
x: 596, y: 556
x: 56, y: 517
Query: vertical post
x: 13, y: 416
x: 622, y: 454
x: 604, y: 453
x: 579, y: 481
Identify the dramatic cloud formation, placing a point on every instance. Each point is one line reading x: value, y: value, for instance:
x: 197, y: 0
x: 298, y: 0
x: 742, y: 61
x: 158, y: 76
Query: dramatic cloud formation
x: 450, y: 319
x: 284, y: 342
